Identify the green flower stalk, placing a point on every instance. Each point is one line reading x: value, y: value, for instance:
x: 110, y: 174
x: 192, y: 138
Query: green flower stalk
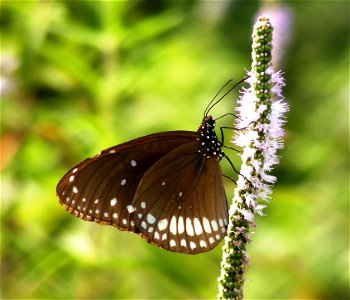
x: 260, y: 119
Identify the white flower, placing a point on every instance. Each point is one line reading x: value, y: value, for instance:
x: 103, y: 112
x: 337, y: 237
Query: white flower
x: 260, y: 131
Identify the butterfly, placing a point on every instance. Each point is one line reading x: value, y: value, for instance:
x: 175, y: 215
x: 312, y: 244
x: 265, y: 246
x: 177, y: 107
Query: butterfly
x: 167, y: 187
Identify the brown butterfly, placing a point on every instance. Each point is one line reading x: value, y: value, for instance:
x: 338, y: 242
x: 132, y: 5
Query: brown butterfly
x: 167, y: 187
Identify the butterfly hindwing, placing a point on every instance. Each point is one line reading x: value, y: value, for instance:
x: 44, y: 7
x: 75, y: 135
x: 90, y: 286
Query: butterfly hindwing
x: 180, y: 204
x: 102, y: 188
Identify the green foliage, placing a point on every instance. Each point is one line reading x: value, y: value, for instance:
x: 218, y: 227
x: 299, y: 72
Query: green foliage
x: 79, y: 76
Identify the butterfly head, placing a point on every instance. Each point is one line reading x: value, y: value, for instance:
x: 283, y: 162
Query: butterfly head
x: 209, y: 143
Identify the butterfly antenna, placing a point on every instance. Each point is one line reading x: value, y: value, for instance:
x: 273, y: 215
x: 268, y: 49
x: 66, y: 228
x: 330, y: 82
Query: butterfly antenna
x: 211, y: 104
x: 206, y: 111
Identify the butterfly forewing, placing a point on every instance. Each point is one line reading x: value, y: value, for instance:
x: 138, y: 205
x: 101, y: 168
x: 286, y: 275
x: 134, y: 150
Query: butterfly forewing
x: 101, y: 188
x: 193, y: 215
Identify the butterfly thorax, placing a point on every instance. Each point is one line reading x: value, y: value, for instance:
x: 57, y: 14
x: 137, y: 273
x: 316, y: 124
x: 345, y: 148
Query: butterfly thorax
x: 208, y: 140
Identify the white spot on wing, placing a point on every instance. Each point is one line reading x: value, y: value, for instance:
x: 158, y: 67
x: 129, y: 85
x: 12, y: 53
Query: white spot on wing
x: 164, y: 236
x: 172, y: 243
x: 130, y: 208
x: 75, y: 190
x: 113, y: 201
x: 133, y: 163
x: 206, y: 225
x: 150, y: 219
x: 97, y: 211
x: 214, y: 224
x: 124, y: 221
x: 192, y: 245
x: 156, y: 235
x: 75, y: 170
x: 197, y: 226
x: 183, y: 243
x: 189, y: 227
x: 144, y: 224
x: 123, y: 182
x: 96, y: 201
x: 150, y: 229
x: 143, y: 205
x: 211, y: 240
x: 115, y: 215
x: 71, y: 178
x: 180, y: 225
x: 173, y: 228
x: 221, y: 222
x: 162, y: 224
x: 203, y: 244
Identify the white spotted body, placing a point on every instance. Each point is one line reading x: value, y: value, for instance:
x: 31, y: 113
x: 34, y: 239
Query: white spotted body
x: 209, y: 143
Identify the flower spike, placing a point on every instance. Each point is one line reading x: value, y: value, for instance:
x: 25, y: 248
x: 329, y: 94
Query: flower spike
x: 260, y: 119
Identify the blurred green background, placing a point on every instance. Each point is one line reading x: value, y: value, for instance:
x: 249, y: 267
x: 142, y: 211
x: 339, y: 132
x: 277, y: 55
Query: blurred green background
x: 79, y: 76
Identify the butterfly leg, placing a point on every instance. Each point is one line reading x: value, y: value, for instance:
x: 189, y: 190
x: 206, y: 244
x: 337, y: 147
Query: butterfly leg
x: 233, y: 167
x: 230, y: 178
x: 222, y: 138
x: 228, y: 114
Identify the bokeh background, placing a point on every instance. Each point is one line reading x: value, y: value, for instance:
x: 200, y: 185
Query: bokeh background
x: 79, y: 76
